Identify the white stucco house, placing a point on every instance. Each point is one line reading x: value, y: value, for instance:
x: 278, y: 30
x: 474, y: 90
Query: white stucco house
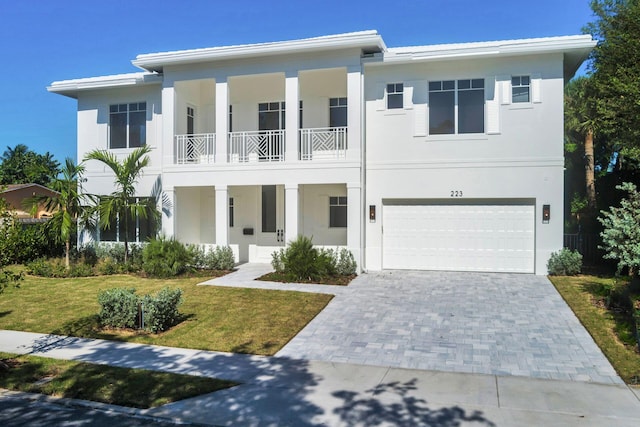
x: 443, y: 157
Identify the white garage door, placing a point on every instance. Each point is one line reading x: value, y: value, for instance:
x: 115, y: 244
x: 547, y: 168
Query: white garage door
x: 459, y: 237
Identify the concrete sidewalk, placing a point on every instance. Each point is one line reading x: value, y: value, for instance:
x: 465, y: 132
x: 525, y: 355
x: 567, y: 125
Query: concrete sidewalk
x: 277, y: 391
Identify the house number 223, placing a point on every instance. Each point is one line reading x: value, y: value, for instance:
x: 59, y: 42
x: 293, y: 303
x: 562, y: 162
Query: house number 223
x: 456, y: 193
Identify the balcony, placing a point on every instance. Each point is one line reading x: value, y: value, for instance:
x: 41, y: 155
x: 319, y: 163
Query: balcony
x: 256, y: 146
x: 196, y: 148
x: 323, y: 143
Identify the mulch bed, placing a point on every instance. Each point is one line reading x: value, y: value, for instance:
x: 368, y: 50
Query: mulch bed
x: 332, y: 280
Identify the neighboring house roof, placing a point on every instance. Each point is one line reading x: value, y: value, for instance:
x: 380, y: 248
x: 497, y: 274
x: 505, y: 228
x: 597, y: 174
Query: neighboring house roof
x: 17, y: 194
x: 373, y: 49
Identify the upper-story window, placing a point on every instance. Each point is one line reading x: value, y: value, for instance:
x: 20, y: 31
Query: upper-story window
x: 337, y: 112
x: 456, y: 106
x: 520, y: 89
x: 128, y: 125
x: 395, y: 98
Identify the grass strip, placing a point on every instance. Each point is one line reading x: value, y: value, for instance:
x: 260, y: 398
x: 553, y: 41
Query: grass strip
x: 582, y: 294
x: 135, y: 388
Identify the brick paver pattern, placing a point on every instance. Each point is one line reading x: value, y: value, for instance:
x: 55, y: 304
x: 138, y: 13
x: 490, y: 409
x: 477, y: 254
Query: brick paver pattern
x: 501, y: 324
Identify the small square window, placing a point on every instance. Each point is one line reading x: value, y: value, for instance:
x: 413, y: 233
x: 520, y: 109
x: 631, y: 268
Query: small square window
x: 520, y: 89
x: 395, y: 97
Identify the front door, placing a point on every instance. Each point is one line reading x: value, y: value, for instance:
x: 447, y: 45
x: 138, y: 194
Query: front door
x: 271, y: 216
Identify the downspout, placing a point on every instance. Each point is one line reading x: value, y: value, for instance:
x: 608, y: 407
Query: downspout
x: 363, y: 172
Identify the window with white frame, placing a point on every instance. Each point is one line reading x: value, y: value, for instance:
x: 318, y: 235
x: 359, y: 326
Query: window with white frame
x: 138, y: 228
x: 456, y: 107
x: 337, y: 112
x: 520, y: 89
x: 337, y: 212
x: 395, y: 96
x: 128, y: 125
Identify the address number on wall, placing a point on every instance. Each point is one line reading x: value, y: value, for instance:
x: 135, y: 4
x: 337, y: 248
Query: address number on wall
x: 456, y: 193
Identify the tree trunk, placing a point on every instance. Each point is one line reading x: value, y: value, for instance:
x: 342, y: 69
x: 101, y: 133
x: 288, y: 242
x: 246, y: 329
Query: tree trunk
x: 589, y: 167
x: 67, y: 248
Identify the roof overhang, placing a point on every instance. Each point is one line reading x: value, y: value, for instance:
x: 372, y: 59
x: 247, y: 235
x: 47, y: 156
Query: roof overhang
x: 368, y: 41
x: 574, y: 48
x: 71, y: 88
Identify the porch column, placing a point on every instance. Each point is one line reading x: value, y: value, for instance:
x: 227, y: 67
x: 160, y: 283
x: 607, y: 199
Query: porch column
x: 168, y: 123
x: 222, y: 215
x: 292, y: 116
x: 222, y: 119
x: 291, y: 212
x: 354, y: 112
x: 167, y: 211
x: 354, y: 222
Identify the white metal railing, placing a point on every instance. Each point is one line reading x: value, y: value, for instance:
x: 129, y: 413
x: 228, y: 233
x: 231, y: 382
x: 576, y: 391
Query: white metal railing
x: 323, y: 143
x: 256, y: 146
x: 196, y: 148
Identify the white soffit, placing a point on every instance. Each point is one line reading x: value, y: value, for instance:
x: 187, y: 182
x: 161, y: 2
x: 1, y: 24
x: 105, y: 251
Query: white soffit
x: 368, y: 40
x: 71, y: 87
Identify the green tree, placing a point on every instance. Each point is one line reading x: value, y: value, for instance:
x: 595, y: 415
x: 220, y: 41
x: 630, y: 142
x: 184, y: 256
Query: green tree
x: 581, y: 122
x: 19, y: 165
x: 7, y: 277
x: 621, y: 234
x: 615, y: 68
x: 122, y: 203
x: 69, y: 206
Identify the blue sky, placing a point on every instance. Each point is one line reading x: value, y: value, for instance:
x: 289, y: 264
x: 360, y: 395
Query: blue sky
x: 45, y: 40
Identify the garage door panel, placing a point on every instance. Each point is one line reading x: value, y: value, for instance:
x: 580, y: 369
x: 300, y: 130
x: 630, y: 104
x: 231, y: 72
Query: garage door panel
x: 459, y: 237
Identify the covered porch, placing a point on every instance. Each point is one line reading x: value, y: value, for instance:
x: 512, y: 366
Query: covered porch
x: 256, y: 220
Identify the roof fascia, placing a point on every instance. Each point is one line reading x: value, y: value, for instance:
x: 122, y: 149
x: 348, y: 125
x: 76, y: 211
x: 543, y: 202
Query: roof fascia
x: 71, y: 88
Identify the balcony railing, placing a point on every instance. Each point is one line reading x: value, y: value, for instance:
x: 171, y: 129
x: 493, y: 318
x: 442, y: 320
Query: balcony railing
x: 196, y: 148
x: 323, y: 143
x: 256, y: 146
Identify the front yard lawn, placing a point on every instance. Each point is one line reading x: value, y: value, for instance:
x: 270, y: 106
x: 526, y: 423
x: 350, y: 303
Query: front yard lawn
x: 214, y: 318
x: 135, y: 388
x: 611, y: 330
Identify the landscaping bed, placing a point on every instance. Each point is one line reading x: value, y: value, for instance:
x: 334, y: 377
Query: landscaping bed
x: 135, y: 388
x: 330, y: 280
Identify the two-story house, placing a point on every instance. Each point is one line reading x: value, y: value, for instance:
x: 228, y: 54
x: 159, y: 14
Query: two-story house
x: 445, y: 157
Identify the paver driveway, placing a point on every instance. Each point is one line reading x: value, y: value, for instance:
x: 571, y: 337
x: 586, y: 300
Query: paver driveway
x: 503, y: 324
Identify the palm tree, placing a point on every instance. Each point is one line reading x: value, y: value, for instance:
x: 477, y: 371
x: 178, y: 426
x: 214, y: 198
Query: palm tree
x: 69, y: 206
x: 581, y: 119
x: 121, y: 203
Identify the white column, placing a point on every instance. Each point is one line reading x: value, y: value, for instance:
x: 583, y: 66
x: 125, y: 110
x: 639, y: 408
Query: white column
x: 354, y: 113
x: 222, y: 119
x: 168, y: 123
x: 354, y: 224
x: 292, y: 116
x: 222, y: 215
x: 291, y: 198
x: 167, y: 207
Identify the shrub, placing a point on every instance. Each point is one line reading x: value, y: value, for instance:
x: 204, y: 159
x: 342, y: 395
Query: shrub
x: 565, y: 263
x: 220, y: 258
x: 165, y: 258
x: 47, y: 267
x: 79, y: 270
x: 621, y: 234
x: 224, y: 259
x: 107, y: 266
x: 161, y: 310
x: 301, y: 259
x: 118, y: 307
x: 21, y: 243
x: 278, y: 260
x: 346, y: 263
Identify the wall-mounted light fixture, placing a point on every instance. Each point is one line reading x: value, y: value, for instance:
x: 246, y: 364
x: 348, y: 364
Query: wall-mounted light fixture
x: 372, y: 213
x: 546, y: 214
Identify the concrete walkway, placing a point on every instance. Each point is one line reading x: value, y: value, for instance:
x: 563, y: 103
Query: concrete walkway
x: 489, y: 323
x: 281, y: 391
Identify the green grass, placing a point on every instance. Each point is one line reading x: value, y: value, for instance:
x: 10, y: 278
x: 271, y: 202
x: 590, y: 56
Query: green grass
x: 118, y: 386
x: 214, y: 318
x: 611, y: 330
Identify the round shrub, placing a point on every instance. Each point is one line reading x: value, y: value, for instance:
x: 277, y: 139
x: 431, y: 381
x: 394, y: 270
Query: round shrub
x: 118, y: 307
x: 565, y: 263
x: 165, y: 258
